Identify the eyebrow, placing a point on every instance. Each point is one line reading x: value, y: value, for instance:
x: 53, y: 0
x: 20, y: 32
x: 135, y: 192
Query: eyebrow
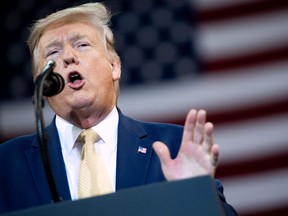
x: 77, y: 36
x: 72, y: 38
x: 52, y: 44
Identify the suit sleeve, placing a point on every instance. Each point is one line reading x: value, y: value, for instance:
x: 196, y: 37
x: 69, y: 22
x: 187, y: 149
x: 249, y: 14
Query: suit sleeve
x: 228, y: 209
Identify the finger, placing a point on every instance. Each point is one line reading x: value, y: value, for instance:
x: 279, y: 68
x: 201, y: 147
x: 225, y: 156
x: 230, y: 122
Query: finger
x: 208, y: 138
x: 215, y: 155
x: 199, y: 127
x: 189, y: 126
x: 162, y: 152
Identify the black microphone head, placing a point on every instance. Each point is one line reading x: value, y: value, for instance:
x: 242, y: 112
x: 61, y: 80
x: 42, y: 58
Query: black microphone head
x: 53, y: 84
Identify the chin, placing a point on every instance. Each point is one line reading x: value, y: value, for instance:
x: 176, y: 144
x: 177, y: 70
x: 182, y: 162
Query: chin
x: 81, y: 104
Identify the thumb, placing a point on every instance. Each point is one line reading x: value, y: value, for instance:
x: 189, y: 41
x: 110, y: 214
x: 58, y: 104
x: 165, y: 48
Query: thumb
x: 162, y: 152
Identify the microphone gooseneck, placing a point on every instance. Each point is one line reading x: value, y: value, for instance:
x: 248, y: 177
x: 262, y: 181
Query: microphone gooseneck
x: 47, y: 83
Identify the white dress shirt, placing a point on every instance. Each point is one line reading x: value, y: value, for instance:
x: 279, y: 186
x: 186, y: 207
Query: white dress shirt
x: 71, y: 150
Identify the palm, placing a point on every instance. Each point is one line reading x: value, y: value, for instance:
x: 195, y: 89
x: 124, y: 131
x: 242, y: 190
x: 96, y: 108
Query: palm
x: 198, y: 155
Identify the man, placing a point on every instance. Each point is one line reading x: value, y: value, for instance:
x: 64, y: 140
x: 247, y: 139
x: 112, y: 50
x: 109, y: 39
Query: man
x: 81, y: 43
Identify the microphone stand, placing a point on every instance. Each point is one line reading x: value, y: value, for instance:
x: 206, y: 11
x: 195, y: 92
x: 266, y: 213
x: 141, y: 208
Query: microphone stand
x: 41, y: 133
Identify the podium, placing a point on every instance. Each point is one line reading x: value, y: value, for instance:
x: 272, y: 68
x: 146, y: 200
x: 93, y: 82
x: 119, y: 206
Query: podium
x: 195, y: 196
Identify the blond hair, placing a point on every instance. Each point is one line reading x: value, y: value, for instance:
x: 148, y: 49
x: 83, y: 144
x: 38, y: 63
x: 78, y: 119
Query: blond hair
x: 95, y: 14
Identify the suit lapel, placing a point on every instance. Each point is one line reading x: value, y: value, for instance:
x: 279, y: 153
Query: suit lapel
x: 37, y: 171
x: 132, y: 166
x: 57, y: 164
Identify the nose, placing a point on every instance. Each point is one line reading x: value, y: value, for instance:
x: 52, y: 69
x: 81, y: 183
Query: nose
x: 69, y: 57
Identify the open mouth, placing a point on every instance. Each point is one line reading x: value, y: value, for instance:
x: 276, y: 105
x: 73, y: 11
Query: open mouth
x: 75, y: 80
x: 74, y: 77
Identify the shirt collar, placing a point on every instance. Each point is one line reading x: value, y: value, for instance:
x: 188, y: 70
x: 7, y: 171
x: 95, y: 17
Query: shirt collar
x: 106, y: 129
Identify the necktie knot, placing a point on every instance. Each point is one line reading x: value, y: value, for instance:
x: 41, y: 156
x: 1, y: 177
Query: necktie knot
x: 88, y: 136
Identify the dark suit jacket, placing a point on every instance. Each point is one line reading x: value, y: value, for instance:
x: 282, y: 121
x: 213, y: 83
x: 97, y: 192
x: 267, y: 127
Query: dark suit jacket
x: 23, y: 182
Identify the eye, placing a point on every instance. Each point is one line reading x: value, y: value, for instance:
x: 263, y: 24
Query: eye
x: 83, y: 44
x: 52, y: 52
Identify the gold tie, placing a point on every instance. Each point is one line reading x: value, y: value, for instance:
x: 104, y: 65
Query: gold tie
x: 93, y: 176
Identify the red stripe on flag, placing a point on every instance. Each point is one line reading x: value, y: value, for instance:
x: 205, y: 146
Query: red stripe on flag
x: 253, y: 166
x: 277, y: 211
x: 240, y: 10
x: 275, y: 54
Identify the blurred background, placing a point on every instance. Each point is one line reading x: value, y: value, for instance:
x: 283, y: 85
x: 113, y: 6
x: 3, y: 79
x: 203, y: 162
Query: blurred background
x: 228, y: 57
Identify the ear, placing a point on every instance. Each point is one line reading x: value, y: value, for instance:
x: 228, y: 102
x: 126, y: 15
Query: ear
x: 116, y: 69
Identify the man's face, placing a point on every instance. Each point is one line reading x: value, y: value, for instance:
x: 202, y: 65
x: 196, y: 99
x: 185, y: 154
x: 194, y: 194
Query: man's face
x: 82, y: 59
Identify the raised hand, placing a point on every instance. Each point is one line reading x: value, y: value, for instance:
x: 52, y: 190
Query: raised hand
x: 198, y: 155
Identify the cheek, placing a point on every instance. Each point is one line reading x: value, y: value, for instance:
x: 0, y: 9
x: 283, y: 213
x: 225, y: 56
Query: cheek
x: 102, y: 70
x: 57, y: 100
x: 52, y: 100
x: 102, y: 81
x: 59, y: 65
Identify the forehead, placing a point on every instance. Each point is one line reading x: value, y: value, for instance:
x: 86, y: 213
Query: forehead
x: 64, y: 31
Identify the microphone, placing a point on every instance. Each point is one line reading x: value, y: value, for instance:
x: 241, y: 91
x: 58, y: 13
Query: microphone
x: 53, y: 82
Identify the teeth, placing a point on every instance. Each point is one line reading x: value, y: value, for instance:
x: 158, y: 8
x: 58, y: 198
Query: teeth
x: 74, y: 76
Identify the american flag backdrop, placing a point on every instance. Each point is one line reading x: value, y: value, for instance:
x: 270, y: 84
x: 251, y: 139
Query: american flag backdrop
x: 229, y: 57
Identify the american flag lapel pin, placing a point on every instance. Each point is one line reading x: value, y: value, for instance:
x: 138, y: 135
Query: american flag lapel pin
x: 142, y: 150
